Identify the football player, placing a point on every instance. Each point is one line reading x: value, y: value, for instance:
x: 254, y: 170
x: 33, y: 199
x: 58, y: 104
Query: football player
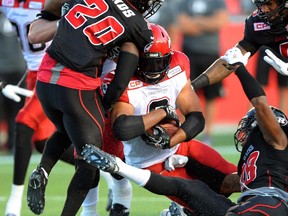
x: 262, y: 166
x: 32, y: 125
x: 161, y: 84
x: 266, y: 26
x: 69, y: 75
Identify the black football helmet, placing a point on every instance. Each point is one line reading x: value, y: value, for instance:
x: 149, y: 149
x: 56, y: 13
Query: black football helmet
x: 147, y: 7
x: 249, y: 122
x: 275, y: 16
x: 154, y: 64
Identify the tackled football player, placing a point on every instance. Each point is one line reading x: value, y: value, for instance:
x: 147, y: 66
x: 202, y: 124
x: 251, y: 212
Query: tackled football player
x: 160, y: 85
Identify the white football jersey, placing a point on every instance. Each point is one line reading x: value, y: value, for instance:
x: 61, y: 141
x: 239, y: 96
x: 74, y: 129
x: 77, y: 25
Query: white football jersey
x: 21, y: 15
x: 144, y: 98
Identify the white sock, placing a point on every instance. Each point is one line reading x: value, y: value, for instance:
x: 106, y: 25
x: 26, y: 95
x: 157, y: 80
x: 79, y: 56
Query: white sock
x: 122, y: 192
x: 14, y: 203
x: 108, y: 178
x: 89, y: 205
x: 138, y: 176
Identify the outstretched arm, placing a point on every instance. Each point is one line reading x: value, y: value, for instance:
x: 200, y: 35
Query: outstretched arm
x: 215, y: 73
x: 271, y: 130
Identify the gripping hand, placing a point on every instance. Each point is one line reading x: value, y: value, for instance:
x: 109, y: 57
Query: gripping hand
x: 275, y: 62
x: 158, y: 138
x: 171, y: 114
x: 175, y: 161
x: 234, y: 57
x: 12, y: 92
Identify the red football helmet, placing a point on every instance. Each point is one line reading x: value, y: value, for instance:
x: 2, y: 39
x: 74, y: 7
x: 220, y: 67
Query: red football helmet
x: 154, y: 64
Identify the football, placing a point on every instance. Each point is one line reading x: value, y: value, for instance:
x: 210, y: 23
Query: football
x: 171, y: 128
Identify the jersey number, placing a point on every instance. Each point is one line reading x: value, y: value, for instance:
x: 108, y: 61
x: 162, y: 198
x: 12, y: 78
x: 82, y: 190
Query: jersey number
x: 249, y: 168
x: 101, y: 32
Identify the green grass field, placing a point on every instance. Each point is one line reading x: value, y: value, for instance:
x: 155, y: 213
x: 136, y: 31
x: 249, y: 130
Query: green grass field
x: 144, y: 203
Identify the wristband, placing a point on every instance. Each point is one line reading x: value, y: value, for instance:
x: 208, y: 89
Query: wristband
x: 200, y: 82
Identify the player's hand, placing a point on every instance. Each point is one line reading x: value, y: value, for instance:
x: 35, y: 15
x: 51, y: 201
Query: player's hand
x: 235, y: 57
x: 171, y: 114
x: 158, y: 138
x: 175, y: 161
x: 12, y: 92
x: 274, y: 61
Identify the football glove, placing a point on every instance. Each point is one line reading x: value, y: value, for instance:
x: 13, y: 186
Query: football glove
x: 234, y: 57
x: 171, y: 114
x: 12, y: 92
x: 175, y: 161
x: 158, y: 138
x: 275, y: 62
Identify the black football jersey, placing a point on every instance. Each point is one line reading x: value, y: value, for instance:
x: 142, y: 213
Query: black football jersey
x: 257, y: 33
x: 261, y: 165
x: 91, y: 28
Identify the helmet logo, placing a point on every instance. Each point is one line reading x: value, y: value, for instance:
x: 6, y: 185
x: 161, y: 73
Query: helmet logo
x: 148, y: 46
x: 282, y: 121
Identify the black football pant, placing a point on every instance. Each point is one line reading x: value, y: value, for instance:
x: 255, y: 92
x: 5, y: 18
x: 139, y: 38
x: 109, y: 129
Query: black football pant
x: 78, y: 118
x: 195, y: 193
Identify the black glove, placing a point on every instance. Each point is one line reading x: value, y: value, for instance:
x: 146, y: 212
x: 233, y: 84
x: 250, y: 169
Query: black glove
x: 158, y: 138
x: 171, y: 114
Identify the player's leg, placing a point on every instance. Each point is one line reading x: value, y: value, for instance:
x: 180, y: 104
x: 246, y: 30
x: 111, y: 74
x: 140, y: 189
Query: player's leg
x: 84, y: 124
x: 122, y: 189
x: 196, y: 194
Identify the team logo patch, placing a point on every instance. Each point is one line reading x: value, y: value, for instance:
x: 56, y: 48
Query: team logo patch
x: 135, y: 84
x: 261, y: 26
x: 174, y: 71
x: 8, y: 3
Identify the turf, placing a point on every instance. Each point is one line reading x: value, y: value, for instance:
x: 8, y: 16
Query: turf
x: 144, y: 203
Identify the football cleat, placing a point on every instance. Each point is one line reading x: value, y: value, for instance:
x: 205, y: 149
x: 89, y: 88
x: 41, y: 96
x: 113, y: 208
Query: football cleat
x: 36, y: 191
x: 119, y: 210
x: 176, y: 210
x: 100, y: 159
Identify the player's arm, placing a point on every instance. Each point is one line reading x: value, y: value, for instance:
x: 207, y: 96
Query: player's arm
x: 126, y: 66
x: 42, y: 31
x: 271, y: 130
x: 189, y: 105
x: 215, y: 73
x: 44, y: 27
x: 127, y: 125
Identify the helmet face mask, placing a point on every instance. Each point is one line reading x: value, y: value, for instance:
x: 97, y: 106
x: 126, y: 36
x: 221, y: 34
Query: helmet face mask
x: 249, y: 122
x: 275, y: 16
x: 147, y: 7
x: 154, y: 64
